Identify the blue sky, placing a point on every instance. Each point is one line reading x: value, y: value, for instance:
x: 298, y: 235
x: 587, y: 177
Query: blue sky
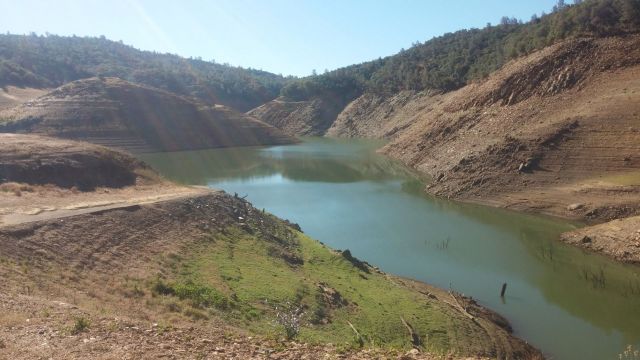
x: 282, y: 36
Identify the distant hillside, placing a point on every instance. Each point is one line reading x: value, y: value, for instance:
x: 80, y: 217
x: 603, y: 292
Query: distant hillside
x: 117, y: 113
x: 451, y: 61
x: 51, y: 61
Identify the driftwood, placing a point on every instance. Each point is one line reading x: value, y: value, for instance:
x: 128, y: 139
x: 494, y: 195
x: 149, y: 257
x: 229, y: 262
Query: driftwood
x: 415, y: 338
x: 360, y: 339
x: 463, y: 310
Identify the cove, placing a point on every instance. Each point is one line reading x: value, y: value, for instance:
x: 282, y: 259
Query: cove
x: 568, y: 303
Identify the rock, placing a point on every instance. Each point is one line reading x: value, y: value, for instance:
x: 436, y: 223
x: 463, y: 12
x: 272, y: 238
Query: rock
x: 585, y: 240
x: 410, y: 355
x: 575, y: 206
x: 521, y: 167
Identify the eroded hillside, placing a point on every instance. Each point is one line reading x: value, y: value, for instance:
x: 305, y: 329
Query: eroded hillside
x: 113, y: 112
x: 545, y: 132
x: 308, y: 118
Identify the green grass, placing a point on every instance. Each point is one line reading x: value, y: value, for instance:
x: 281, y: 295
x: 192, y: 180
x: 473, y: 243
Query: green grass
x: 238, y: 278
x: 80, y: 324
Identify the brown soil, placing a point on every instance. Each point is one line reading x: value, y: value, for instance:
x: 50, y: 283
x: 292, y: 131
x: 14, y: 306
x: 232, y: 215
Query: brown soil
x: 565, y: 141
x: 60, y: 269
x: 116, y: 113
x: 11, y: 96
x: 619, y: 239
x: 377, y: 116
x: 308, y: 118
x: 38, y: 160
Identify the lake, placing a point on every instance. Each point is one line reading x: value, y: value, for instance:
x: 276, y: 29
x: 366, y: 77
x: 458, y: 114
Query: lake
x: 569, y: 304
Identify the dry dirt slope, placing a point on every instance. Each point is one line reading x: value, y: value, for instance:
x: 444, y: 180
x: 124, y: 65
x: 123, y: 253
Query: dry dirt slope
x: 309, y: 118
x: 113, y: 112
x: 544, y: 132
x: 11, y: 96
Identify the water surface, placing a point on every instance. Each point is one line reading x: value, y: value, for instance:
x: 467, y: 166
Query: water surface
x: 570, y: 304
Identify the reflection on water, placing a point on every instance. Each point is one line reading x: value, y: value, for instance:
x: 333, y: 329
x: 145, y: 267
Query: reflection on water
x: 570, y: 304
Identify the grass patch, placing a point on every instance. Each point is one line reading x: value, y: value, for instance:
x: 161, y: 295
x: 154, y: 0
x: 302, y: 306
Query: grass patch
x: 235, y: 275
x: 198, y: 295
x: 80, y: 324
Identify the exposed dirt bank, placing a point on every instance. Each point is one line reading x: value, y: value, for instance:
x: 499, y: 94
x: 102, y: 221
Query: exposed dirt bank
x: 557, y: 132
x: 308, y: 118
x: 116, y: 113
x: 376, y: 116
x: 619, y: 239
x: 38, y: 160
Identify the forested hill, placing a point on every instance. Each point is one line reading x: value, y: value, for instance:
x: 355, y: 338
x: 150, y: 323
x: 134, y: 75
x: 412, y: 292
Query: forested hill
x: 450, y: 61
x: 50, y: 61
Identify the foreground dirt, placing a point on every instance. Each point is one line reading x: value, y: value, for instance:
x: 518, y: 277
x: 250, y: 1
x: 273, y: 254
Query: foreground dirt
x: 58, y: 270
x: 137, y: 118
x: 36, y: 328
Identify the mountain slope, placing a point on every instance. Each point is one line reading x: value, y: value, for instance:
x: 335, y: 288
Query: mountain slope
x: 117, y: 113
x: 541, y: 134
x: 451, y: 61
x: 51, y: 61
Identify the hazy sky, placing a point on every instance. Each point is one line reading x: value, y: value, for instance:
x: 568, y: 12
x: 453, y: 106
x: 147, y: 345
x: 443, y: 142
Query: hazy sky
x: 282, y: 36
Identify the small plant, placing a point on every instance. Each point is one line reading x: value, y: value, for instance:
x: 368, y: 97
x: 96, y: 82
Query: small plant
x: 136, y: 292
x: 290, y: 317
x: 199, y: 296
x: 45, y: 313
x: 444, y: 245
x: 630, y: 353
x: 113, y: 326
x: 80, y: 324
x: 160, y: 287
x: 195, y: 314
x: 597, y: 278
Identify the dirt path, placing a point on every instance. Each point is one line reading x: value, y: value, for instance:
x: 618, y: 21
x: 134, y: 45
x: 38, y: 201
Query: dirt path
x: 47, y: 203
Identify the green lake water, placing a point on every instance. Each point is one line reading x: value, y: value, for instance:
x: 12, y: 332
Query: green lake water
x: 569, y: 304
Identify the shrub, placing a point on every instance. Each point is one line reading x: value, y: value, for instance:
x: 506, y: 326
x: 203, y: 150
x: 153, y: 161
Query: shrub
x: 290, y: 317
x: 80, y: 324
